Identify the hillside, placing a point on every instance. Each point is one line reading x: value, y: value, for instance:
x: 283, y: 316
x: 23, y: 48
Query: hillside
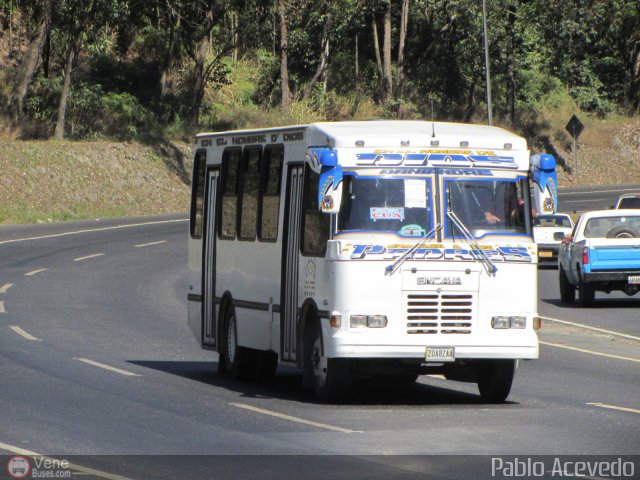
x: 45, y: 181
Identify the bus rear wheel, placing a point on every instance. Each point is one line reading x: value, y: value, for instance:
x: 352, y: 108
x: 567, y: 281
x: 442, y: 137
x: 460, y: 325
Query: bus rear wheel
x: 329, y: 376
x: 237, y: 360
x: 494, y: 379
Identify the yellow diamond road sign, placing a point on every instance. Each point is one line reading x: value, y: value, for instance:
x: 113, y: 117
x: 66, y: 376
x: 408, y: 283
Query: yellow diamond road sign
x: 574, y: 127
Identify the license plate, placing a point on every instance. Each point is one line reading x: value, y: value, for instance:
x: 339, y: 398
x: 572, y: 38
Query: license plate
x: 634, y: 279
x: 545, y: 254
x: 440, y: 354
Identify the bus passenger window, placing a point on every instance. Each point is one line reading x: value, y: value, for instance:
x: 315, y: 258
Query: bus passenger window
x: 270, y: 193
x: 197, y: 194
x: 316, y: 225
x: 229, y: 210
x: 250, y: 180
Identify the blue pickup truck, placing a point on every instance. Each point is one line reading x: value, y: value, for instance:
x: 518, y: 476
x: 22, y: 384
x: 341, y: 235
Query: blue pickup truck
x: 602, y: 254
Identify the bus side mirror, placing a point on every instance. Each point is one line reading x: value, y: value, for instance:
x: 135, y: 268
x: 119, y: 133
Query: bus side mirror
x: 330, y: 189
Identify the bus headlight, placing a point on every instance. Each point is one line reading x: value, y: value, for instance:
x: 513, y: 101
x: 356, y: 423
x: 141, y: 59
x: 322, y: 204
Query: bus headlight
x: 371, y: 321
x: 518, y: 322
x: 509, y: 322
x: 500, y: 322
x: 358, y: 321
x: 377, y: 321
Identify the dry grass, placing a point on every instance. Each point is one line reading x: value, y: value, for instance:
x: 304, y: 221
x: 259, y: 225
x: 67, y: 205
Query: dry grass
x: 608, y: 153
x: 45, y: 181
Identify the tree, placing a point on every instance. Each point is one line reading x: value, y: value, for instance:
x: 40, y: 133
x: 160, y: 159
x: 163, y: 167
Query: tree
x: 284, y: 61
x: 387, y: 78
x: 404, y: 24
x: 29, y: 62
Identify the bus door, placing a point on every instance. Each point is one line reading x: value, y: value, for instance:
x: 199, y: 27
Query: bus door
x: 291, y: 255
x: 209, y: 260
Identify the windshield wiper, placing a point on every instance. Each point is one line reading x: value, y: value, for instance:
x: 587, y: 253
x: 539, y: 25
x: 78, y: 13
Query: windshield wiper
x: 390, y: 269
x: 477, y: 251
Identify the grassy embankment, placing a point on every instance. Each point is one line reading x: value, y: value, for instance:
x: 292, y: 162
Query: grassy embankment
x: 49, y: 181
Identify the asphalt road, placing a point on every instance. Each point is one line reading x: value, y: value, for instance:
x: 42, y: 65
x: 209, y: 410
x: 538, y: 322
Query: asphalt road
x: 98, y: 365
x: 580, y: 199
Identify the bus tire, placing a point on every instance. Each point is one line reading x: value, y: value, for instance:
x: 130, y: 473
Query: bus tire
x: 586, y: 294
x: 495, y: 378
x: 237, y: 361
x: 567, y: 291
x: 329, y: 376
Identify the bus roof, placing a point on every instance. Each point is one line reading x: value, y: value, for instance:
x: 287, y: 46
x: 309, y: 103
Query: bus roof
x: 412, y: 133
x: 398, y: 133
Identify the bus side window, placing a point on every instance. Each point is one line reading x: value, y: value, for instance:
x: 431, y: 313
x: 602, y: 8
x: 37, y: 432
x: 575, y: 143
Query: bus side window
x: 197, y: 193
x: 270, y: 193
x: 315, y: 224
x: 250, y: 181
x: 229, y: 208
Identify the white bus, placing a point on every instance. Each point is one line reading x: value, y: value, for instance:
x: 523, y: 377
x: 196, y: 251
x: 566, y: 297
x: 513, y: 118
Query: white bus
x: 379, y: 249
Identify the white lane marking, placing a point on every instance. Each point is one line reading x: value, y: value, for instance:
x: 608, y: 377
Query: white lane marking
x: 294, y: 419
x: 2, y: 310
x: 149, y: 244
x: 600, y: 191
x: 79, y: 259
x: 89, y: 230
x: 5, y: 287
x: 587, y: 327
x: 23, y: 334
x: 72, y: 466
x: 441, y: 377
x: 107, y: 367
x: 35, y: 272
x: 618, y: 357
x: 614, y: 407
x: 598, y: 200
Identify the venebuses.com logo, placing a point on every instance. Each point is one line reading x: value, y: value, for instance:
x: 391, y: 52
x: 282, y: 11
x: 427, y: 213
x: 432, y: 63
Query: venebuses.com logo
x: 18, y: 467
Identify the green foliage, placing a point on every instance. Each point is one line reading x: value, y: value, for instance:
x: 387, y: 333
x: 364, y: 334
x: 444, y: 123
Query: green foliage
x: 135, y: 73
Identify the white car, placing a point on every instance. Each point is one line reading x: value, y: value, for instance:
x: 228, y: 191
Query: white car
x: 548, y: 232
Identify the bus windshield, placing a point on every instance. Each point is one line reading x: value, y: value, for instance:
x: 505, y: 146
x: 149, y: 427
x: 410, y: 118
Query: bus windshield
x: 399, y: 206
x: 495, y: 206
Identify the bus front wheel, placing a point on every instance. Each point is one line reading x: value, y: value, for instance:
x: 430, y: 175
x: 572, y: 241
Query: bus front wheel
x: 494, y: 379
x: 329, y: 376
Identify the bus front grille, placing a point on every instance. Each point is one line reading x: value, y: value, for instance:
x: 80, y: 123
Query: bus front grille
x: 439, y: 313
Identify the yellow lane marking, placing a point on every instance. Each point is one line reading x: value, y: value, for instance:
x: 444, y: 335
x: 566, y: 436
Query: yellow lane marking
x: 294, y: 419
x: 614, y: 407
x: 587, y: 327
x: 34, y: 272
x: 2, y: 310
x: 79, y: 259
x: 5, y: 287
x: 89, y: 230
x: 107, y: 367
x: 618, y: 357
x: 23, y: 334
x: 149, y: 244
x: 72, y: 466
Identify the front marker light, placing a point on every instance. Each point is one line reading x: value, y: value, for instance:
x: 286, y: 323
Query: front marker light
x: 377, y: 321
x: 500, y: 322
x: 358, y: 321
x: 518, y: 322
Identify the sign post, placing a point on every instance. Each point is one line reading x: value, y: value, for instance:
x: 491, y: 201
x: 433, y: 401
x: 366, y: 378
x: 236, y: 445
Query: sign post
x: 575, y: 128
